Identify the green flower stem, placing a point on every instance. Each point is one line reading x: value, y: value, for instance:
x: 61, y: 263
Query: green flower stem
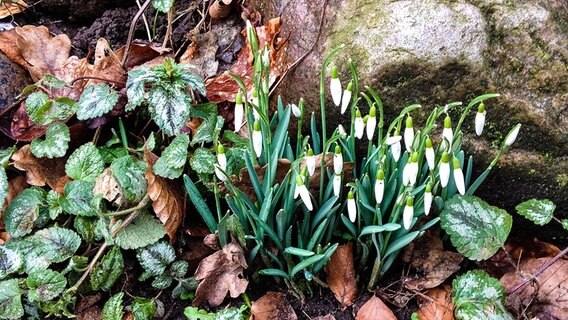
x: 123, y: 137
x: 139, y: 206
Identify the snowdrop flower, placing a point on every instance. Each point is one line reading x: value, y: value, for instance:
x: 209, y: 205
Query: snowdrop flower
x: 445, y: 169
x: 295, y: 110
x: 257, y: 138
x: 336, y: 184
x: 371, y: 123
x: 239, y: 111
x: 408, y: 213
x: 310, y: 161
x: 221, y: 165
x: 380, y: 186
x: 351, y: 206
x: 447, y: 132
x: 338, y: 160
x: 341, y: 131
x: 512, y: 136
x: 346, y: 98
x: 410, y: 171
x: 266, y: 57
x: 359, y: 124
x: 394, y: 143
x: 458, y: 176
x: 303, y: 192
x: 430, y: 154
x: 428, y: 198
x: 335, y: 86
x: 255, y: 105
x: 480, y: 119
x: 408, y: 134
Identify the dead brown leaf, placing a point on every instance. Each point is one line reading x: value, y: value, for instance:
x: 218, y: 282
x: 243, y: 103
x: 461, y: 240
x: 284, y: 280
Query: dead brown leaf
x: 436, y: 305
x: 433, y: 264
x: 341, y: 276
x: 9, y: 8
x: 15, y: 186
x: 547, y: 296
x: 221, y: 273
x: 167, y: 202
x: 87, y: 309
x: 272, y: 306
x: 107, y: 186
x: 39, y: 171
x: 326, y: 317
x: 375, y: 309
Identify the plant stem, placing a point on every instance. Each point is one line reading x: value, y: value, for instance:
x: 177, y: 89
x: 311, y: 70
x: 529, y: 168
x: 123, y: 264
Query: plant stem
x: 540, y: 270
x: 139, y: 206
x: 132, y: 29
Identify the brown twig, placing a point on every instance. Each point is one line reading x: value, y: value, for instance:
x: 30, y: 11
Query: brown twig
x: 96, y: 78
x: 132, y: 29
x: 539, y: 271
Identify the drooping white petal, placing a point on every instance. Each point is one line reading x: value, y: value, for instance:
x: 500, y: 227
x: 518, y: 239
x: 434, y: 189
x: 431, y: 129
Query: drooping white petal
x: 336, y: 184
x: 459, y: 180
x: 479, y: 122
x: 335, y: 88
x: 371, y: 126
x: 408, y: 138
x: 407, y: 216
x: 444, y: 173
x: 392, y: 140
x: 305, y: 195
x: 239, y: 116
x: 448, y: 134
x: 345, y: 100
x: 338, y: 163
x: 406, y: 174
x: 296, y: 111
x: 427, y: 202
x: 341, y: 131
x: 222, y: 161
x: 352, y: 209
x: 512, y: 136
x: 219, y: 172
x: 430, y: 157
x: 311, y: 164
x: 379, y: 190
x: 359, y: 127
x: 395, y: 150
x: 257, y: 142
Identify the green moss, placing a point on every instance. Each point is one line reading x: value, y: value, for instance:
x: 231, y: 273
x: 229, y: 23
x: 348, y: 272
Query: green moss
x: 562, y: 180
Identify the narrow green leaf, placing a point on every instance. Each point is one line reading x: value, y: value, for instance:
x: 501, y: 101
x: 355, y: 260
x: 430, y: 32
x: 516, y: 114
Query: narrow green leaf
x: 274, y: 273
x: 199, y: 204
x: 400, y: 243
x: 86, y: 163
x: 45, y: 285
x: 11, y: 300
x: 96, y: 100
x: 299, y: 252
x: 378, y: 229
x: 23, y: 211
x: 108, y: 270
x: 305, y: 264
x: 538, y: 211
x: 113, y: 309
x: 172, y: 161
x: 476, y: 229
x: 144, y: 230
x: 194, y: 313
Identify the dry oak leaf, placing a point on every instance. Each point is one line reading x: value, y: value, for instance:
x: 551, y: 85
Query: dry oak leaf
x: 547, y: 297
x: 272, y: 306
x: 39, y: 171
x: 10, y: 8
x: 436, y: 304
x: 167, y: 202
x: 375, y: 309
x: 221, y: 273
x: 341, y: 276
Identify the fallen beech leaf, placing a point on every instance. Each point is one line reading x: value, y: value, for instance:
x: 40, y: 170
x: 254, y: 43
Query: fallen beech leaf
x: 15, y: 186
x: 440, y: 306
x: 433, y: 264
x: 341, y: 276
x: 39, y: 171
x: 547, y: 296
x: 8, y: 46
x: 221, y: 273
x: 272, y: 306
x: 9, y: 8
x: 23, y: 128
x: 375, y: 309
x: 167, y: 202
x: 107, y: 185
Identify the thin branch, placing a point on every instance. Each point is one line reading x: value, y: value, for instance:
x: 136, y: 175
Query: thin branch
x: 132, y: 29
x: 540, y: 270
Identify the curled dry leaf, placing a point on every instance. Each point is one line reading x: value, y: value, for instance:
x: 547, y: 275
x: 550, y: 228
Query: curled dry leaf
x: 546, y: 297
x: 40, y: 171
x: 107, y: 185
x: 167, y: 202
x: 433, y: 264
x: 436, y: 304
x: 341, y: 276
x: 272, y: 306
x: 221, y: 273
x: 375, y: 309
x: 10, y: 8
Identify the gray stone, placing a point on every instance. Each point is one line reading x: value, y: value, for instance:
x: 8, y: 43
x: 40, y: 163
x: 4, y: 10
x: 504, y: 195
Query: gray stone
x: 13, y: 79
x: 436, y: 51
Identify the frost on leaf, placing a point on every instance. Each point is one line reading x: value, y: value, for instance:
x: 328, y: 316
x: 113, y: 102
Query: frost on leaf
x: 57, y: 244
x: 476, y: 229
x: 538, y: 211
x: 221, y: 273
x: 56, y: 142
x: 163, y: 5
x: 476, y: 295
x: 144, y: 230
x: 86, y: 163
x: 172, y: 161
x: 23, y: 211
x: 96, y: 100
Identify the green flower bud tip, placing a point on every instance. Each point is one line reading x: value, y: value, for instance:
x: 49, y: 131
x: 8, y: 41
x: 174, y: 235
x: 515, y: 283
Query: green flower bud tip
x: 304, y: 171
x: 365, y: 119
x: 396, y: 133
x: 310, y: 152
x: 447, y: 122
x: 445, y: 157
x: 254, y: 93
x: 409, y: 123
x: 481, y: 107
x: 220, y: 149
x: 357, y: 113
x: 414, y: 157
x: 350, y: 195
x: 373, y: 112
x: 299, y: 180
x: 337, y: 149
x: 239, y: 98
x: 380, y: 174
x: 256, y: 125
x: 409, y: 201
x: 350, y: 86
x: 456, y: 163
x: 429, y: 187
x: 334, y: 72
x: 428, y: 143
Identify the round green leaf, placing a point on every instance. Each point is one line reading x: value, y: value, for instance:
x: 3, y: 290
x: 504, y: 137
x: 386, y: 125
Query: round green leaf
x: 143, y: 309
x: 169, y: 108
x: 203, y: 161
x: 108, y: 270
x: 171, y: 162
x: 11, y: 300
x: 155, y: 258
x: 10, y: 261
x: 56, y: 142
x: 476, y: 229
x: 144, y: 230
x: 96, y: 100
x: 23, y: 211
x: 538, y: 211
x: 129, y: 174
x: 86, y: 163
x: 78, y: 198
x: 45, y: 285
x: 163, y: 5
x: 57, y: 244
